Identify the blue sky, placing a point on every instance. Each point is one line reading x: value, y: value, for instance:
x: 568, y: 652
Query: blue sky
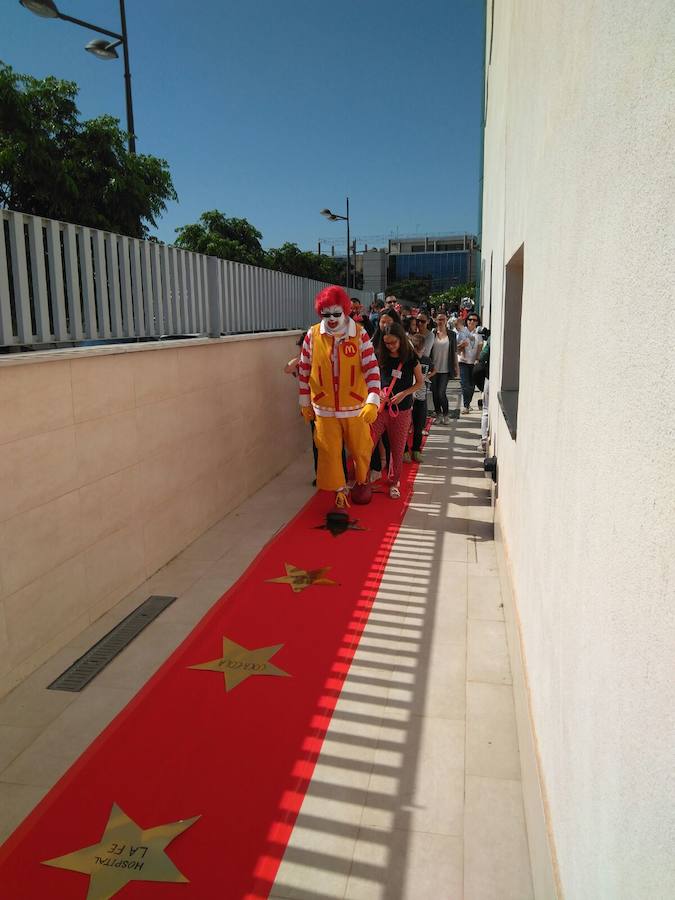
x: 272, y: 110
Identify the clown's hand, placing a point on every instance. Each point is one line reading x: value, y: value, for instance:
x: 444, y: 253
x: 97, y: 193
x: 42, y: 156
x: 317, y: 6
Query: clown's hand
x: 368, y: 413
x: 307, y: 413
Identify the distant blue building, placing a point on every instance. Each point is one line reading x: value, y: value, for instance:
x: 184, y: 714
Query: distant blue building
x: 443, y: 261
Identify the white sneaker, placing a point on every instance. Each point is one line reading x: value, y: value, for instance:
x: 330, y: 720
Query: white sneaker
x: 446, y: 420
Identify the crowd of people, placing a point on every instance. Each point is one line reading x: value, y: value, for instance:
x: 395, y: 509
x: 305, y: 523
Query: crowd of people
x: 417, y: 350
x: 456, y: 343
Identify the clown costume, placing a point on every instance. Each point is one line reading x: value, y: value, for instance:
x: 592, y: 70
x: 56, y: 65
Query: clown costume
x: 339, y: 382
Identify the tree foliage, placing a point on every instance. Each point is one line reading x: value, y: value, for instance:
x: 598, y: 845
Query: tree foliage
x: 217, y: 235
x: 412, y: 290
x: 56, y: 166
x: 236, y: 239
x: 454, y: 294
x: 291, y: 259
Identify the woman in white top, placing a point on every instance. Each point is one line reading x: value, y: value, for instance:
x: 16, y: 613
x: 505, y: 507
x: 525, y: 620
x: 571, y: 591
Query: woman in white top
x: 469, y: 345
x: 444, y: 358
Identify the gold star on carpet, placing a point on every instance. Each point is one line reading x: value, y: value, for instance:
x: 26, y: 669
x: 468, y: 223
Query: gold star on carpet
x: 238, y: 663
x: 125, y: 853
x: 299, y: 579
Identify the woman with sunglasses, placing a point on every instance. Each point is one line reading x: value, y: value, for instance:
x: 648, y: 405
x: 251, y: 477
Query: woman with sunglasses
x: 401, y: 376
x: 469, y: 345
x: 426, y: 332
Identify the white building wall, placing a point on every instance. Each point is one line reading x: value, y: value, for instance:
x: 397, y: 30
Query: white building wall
x: 580, y: 169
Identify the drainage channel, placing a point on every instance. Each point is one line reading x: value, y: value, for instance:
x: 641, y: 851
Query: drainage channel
x: 104, y: 651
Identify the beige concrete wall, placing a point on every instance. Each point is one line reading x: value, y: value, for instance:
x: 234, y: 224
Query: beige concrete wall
x: 580, y: 169
x: 112, y: 460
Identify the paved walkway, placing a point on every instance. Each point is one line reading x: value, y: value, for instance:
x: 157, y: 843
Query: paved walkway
x: 417, y: 791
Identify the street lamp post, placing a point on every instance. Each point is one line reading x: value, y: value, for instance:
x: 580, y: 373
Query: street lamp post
x: 101, y: 49
x: 334, y: 217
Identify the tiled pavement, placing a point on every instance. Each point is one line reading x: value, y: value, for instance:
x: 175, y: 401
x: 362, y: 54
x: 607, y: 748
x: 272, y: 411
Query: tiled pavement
x: 417, y: 790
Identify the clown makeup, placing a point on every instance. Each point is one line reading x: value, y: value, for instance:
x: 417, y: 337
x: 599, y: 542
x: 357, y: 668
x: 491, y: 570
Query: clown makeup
x: 334, y: 319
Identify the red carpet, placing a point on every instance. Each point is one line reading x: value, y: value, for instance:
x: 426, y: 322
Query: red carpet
x: 236, y: 762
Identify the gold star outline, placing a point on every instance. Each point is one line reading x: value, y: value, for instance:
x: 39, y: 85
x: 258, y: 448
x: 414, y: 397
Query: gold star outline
x: 239, y: 663
x: 126, y: 852
x: 299, y: 579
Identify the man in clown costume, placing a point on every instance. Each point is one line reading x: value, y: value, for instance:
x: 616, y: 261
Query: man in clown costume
x: 339, y: 382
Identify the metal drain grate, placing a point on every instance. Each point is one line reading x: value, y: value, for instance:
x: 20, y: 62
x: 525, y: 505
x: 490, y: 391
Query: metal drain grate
x: 97, y: 658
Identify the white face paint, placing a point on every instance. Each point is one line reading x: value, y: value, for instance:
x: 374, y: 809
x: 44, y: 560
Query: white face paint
x: 334, y: 319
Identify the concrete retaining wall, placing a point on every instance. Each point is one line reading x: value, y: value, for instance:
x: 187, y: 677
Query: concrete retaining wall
x: 113, y: 459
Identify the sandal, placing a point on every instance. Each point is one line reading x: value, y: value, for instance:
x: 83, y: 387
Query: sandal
x: 394, y: 492
x: 342, y: 499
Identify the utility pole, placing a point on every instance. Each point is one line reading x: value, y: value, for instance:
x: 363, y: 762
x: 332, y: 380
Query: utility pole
x: 348, y: 265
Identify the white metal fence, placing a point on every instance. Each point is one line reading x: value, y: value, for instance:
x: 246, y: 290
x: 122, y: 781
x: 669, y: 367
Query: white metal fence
x: 62, y: 283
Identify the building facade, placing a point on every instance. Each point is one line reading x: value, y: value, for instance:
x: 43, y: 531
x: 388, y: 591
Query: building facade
x: 578, y: 244
x: 444, y: 261
x: 374, y: 267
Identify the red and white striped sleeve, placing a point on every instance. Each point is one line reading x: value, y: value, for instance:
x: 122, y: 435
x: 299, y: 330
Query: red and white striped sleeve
x: 371, y: 369
x: 304, y: 368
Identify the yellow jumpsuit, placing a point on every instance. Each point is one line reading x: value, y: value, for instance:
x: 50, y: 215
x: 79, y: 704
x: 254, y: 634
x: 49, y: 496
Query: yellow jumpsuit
x: 338, y: 393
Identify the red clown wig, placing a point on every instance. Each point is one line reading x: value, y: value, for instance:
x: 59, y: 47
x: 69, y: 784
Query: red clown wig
x: 332, y: 296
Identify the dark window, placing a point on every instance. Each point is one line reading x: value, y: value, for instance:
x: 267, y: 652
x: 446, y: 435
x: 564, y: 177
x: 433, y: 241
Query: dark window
x: 513, y: 308
x: 442, y: 269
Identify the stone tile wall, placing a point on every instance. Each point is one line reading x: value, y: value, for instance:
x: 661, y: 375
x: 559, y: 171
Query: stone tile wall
x: 112, y: 460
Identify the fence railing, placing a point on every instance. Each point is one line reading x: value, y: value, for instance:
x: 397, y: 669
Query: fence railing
x: 62, y: 283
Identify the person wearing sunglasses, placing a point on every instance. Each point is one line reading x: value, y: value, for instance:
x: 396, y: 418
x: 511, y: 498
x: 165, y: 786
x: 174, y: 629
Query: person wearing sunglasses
x: 339, y: 390
x: 426, y: 332
x: 469, y: 345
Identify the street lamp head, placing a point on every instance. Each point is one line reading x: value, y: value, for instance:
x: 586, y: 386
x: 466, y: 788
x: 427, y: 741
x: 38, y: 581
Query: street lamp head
x: 102, y: 49
x: 45, y: 8
x: 333, y: 217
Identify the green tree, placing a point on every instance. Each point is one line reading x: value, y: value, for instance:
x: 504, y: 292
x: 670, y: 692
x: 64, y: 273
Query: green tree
x: 56, y: 166
x: 217, y: 235
x: 236, y: 239
x: 454, y: 294
x: 291, y: 259
x: 413, y: 290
